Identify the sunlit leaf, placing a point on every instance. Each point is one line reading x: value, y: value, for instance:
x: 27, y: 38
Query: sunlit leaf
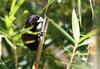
x: 88, y: 35
x: 75, y: 26
x: 15, y: 6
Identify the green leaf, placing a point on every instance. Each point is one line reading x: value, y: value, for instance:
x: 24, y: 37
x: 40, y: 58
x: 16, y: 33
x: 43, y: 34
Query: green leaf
x: 88, y: 35
x: 9, y: 42
x: 79, y: 12
x: 3, y: 31
x: 12, y: 7
x: 3, y: 65
x: 61, y: 30
x: 92, y: 8
x: 15, y: 6
x: 46, y: 7
x: 75, y: 26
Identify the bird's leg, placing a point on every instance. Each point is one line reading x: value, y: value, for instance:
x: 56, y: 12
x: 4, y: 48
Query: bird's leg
x: 41, y: 34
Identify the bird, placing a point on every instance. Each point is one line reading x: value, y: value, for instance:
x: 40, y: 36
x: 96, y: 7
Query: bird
x: 34, y: 39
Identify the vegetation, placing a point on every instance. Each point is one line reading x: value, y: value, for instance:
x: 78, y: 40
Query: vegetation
x: 70, y: 40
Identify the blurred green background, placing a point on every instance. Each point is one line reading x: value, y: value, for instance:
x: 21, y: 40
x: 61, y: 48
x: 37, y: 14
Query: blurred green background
x: 59, y: 44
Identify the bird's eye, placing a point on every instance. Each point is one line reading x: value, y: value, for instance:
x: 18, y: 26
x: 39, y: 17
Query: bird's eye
x: 37, y: 17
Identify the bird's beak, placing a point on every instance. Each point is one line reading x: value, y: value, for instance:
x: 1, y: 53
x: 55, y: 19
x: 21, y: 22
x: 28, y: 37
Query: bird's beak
x: 40, y: 20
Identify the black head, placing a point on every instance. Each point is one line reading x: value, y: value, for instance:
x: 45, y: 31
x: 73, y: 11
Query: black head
x: 34, y: 20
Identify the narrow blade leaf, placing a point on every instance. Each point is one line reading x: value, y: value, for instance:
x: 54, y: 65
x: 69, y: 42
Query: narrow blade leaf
x: 75, y: 26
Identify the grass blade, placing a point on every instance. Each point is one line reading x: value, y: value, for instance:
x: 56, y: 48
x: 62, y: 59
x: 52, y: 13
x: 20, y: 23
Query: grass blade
x: 88, y: 35
x: 61, y: 30
x: 75, y: 26
x: 79, y: 12
x: 92, y: 8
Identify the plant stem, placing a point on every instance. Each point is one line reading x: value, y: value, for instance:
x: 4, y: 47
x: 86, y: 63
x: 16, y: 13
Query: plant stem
x: 39, y: 52
x: 1, y: 36
x: 72, y: 57
x: 15, y: 56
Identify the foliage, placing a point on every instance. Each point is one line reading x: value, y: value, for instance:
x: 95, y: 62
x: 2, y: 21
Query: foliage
x: 66, y: 45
